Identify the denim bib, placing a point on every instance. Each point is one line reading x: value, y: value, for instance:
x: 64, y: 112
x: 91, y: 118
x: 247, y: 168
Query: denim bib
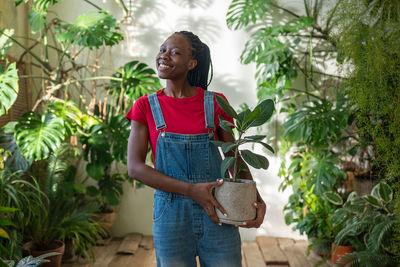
x: 181, y: 227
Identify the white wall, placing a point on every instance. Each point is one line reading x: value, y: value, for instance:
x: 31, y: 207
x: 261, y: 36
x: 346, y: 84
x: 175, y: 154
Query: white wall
x: 154, y: 21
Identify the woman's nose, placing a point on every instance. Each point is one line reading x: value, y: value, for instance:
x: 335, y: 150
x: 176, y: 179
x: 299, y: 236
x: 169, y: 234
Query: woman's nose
x: 165, y: 54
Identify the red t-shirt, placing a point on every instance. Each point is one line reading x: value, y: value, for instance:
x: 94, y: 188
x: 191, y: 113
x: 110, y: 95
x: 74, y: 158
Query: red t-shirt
x: 181, y: 115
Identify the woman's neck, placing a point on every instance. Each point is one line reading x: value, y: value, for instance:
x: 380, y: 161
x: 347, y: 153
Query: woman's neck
x: 179, y: 90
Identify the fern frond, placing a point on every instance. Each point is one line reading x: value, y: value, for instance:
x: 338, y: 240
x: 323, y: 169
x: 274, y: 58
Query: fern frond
x: 378, y: 234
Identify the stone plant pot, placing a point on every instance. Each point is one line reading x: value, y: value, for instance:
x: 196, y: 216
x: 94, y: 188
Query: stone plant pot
x: 237, y: 198
x: 338, y: 251
x: 29, y: 248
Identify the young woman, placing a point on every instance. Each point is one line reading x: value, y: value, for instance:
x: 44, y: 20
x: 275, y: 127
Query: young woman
x: 179, y: 121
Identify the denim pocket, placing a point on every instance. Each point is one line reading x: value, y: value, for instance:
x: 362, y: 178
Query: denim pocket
x: 160, y: 208
x: 187, y: 160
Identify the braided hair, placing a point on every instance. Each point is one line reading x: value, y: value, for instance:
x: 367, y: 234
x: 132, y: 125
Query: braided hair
x: 200, y: 51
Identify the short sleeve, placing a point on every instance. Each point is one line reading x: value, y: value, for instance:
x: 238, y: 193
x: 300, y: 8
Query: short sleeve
x: 138, y: 110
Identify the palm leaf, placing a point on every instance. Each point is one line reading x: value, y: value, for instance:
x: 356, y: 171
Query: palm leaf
x: 8, y: 87
x: 39, y: 135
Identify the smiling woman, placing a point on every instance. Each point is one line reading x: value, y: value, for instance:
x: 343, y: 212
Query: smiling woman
x: 180, y: 122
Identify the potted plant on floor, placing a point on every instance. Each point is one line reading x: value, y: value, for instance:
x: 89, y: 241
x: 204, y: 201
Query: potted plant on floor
x: 366, y: 222
x: 57, y: 217
x: 238, y: 195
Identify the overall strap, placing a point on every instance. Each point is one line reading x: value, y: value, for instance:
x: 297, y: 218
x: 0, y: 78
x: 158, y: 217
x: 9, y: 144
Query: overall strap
x: 209, y: 109
x: 157, y: 112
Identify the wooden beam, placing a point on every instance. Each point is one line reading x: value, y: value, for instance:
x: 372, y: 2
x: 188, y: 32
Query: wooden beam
x: 271, y: 251
x: 252, y: 254
x: 130, y: 244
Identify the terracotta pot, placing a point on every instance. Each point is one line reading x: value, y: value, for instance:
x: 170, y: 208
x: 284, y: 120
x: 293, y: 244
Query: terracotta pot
x: 30, y: 248
x: 237, y: 198
x: 106, y: 220
x: 337, y: 251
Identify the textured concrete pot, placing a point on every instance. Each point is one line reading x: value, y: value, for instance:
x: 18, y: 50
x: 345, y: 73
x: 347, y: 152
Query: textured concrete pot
x: 237, y: 198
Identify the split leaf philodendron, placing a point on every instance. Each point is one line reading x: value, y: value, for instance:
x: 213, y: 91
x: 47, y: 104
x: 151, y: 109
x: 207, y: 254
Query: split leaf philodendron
x: 244, y: 120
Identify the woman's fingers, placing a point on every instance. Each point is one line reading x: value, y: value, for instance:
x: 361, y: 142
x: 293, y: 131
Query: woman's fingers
x: 261, y: 209
x: 216, y: 204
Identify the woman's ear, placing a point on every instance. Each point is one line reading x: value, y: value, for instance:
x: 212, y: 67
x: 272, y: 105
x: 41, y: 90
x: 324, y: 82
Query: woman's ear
x: 192, y: 64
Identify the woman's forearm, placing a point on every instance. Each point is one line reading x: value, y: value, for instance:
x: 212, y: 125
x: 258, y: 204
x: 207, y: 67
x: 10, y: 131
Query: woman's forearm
x: 155, y: 179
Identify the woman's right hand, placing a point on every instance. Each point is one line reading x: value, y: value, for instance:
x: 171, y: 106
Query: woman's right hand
x: 202, y: 194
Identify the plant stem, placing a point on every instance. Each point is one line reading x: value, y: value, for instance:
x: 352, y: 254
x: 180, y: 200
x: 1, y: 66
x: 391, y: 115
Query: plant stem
x: 93, y: 4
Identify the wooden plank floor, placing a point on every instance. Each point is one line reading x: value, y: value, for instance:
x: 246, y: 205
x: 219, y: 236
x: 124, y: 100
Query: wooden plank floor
x: 137, y: 250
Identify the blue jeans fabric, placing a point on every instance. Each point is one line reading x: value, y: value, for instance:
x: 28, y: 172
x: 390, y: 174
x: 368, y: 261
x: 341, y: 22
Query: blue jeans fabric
x: 181, y: 227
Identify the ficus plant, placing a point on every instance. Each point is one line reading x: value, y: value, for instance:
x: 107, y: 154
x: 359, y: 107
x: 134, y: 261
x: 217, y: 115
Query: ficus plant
x: 244, y: 120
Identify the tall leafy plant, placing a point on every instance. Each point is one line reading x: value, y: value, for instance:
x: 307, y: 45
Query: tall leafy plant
x: 317, y: 131
x: 368, y: 40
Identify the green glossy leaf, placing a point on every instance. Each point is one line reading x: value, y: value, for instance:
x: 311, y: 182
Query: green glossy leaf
x: 225, y: 106
x: 91, y: 30
x: 373, y: 201
x: 226, y: 147
x: 352, y: 195
x: 217, y: 143
x: 225, y: 165
x: 385, y: 192
x: 39, y: 135
x: 96, y: 171
x: 8, y: 87
x: 261, y: 114
x: 255, y: 137
x: 334, y: 198
x: 225, y: 125
x: 255, y: 160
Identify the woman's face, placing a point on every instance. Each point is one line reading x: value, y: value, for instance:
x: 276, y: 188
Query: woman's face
x: 174, y: 59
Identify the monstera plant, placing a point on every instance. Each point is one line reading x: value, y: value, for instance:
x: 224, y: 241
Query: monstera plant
x: 76, y: 98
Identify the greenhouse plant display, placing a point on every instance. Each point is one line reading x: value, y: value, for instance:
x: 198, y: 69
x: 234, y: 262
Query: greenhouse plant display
x: 238, y: 195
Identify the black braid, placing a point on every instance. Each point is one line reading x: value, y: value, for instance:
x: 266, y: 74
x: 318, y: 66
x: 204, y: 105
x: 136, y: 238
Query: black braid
x: 200, y: 51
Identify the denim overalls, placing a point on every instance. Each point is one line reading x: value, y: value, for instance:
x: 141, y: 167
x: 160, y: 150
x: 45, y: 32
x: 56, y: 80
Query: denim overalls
x: 181, y: 227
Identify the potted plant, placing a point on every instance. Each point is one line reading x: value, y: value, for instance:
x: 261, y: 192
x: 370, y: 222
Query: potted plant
x: 366, y: 222
x: 57, y: 217
x: 238, y: 195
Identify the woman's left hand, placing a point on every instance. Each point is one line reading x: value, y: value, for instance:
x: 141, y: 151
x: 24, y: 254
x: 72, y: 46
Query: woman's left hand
x: 261, y: 208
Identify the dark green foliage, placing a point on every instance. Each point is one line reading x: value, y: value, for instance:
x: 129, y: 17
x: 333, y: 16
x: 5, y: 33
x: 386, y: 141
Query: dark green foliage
x: 91, y: 30
x: 369, y: 39
x: 370, y: 221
